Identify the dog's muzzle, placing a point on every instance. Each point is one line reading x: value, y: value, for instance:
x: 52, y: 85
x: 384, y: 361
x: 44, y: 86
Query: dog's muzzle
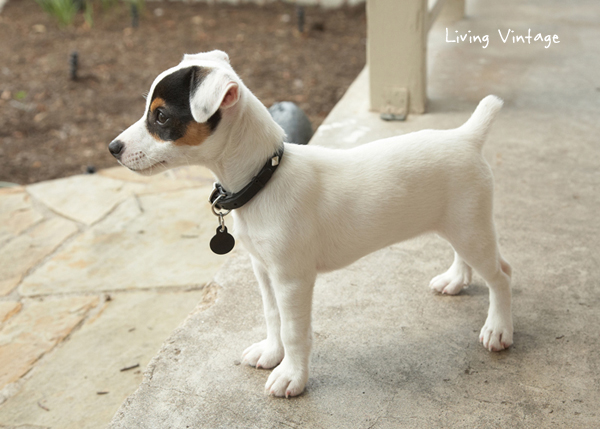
x: 116, y: 148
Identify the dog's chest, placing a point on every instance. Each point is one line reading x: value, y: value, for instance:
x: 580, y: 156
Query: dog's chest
x: 240, y: 231
x: 249, y: 235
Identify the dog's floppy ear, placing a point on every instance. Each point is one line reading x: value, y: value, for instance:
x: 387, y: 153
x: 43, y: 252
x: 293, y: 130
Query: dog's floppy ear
x: 211, y: 89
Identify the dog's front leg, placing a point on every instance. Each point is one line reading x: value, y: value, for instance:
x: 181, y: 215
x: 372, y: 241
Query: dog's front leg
x: 267, y: 353
x: 294, y: 299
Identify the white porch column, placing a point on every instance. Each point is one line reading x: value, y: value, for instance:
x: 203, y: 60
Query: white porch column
x: 397, y: 52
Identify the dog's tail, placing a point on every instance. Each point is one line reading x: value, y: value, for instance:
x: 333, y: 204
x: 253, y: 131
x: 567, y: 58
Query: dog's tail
x: 479, y: 123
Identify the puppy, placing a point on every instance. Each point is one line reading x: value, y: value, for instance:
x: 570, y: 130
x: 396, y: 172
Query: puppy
x: 323, y: 209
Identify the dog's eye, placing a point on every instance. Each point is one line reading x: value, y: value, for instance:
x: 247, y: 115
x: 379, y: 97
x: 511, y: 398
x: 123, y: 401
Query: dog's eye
x: 161, y: 118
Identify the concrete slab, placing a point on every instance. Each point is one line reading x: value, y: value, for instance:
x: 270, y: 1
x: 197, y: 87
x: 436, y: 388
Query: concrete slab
x: 387, y: 352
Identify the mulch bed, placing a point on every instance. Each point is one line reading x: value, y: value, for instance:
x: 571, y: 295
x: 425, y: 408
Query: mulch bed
x: 51, y: 126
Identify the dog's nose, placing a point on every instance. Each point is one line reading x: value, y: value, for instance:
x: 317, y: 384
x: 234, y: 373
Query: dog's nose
x: 116, y: 147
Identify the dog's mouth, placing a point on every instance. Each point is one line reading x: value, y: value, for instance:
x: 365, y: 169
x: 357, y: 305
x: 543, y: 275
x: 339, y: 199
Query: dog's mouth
x: 159, y: 166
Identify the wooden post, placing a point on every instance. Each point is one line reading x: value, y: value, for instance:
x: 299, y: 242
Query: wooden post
x: 396, y: 54
x: 454, y: 10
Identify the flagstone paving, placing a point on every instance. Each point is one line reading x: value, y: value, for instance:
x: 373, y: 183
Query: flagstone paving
x: 148, y: 241
x: 25, y: 251
x: 95, y: 272
x: 35, y: 330
x: 80, y: 385
x: 16, y: 213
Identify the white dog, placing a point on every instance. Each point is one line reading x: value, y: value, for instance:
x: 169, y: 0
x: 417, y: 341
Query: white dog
x: 323, y: 209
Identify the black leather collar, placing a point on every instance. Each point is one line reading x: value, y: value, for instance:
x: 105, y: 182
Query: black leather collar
x: 232, y: 201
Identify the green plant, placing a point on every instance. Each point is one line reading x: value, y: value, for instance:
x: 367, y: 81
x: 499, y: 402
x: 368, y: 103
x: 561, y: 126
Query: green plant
x: 63, y: 10
x: 88, y: 13
x: 107, y: 4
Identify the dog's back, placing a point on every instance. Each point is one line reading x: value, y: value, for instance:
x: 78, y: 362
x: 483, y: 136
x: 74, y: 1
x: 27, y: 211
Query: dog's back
x: 359, y: 200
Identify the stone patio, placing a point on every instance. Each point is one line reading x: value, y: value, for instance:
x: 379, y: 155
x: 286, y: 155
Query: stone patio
x: 96, y: 271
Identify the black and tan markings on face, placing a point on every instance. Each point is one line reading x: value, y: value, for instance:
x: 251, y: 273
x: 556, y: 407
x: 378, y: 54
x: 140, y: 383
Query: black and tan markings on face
x: 170, y: 117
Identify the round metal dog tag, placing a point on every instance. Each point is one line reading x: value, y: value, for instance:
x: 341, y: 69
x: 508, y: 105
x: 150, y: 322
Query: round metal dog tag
x: 222, y: 242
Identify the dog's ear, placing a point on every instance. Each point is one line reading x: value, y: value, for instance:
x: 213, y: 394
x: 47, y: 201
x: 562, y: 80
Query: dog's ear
x: 210, y: 90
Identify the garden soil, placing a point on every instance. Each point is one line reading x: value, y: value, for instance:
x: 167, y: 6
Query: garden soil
x: 52, y: 126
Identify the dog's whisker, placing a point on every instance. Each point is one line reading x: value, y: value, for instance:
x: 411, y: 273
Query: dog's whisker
x: 149, y: 157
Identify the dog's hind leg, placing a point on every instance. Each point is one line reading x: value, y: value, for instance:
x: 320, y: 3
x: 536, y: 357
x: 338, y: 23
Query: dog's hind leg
x: 267, y: 353
x: 455, y: 279
x: 477, y: 245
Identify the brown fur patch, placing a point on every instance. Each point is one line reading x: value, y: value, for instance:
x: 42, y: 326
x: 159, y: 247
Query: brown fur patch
x: 195, y: 134
x: 157, y: 102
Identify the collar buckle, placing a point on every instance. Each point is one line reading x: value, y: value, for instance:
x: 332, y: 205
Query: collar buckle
x: 213, y: 195
x: 223, y: 200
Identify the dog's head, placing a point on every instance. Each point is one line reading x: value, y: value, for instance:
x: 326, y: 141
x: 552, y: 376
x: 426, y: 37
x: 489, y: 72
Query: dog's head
x: 184, y: 108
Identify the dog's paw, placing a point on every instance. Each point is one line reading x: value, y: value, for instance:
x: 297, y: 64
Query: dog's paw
x: 452, y: 281
x: 286, y: 380
x: 263, y: 355
x: 496, y: 334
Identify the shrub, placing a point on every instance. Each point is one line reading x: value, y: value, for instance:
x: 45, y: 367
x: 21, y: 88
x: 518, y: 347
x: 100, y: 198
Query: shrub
x: 63, y: 10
